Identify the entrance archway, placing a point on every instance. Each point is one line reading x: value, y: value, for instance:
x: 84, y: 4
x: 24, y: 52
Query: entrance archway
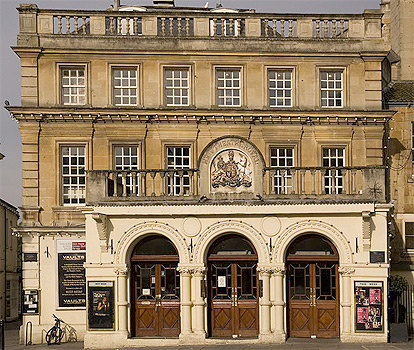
x: 233, y: 288
x: 312, y: 287
x: 155, y: 288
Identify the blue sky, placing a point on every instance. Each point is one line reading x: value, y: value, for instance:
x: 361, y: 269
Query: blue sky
x: 10, y: 143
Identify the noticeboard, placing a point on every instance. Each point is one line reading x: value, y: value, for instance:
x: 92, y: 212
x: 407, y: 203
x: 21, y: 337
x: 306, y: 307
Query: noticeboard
x: 369, y: 307
x: 31, y: 302
x: 101, y: 310
x: 71, y: 273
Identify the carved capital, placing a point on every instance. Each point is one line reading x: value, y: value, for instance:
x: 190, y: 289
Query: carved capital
x: 199, y: 270
x: 185, y: 270
x: 265, y: 270
x: 279, y: 271
x: 121, y: 271
x: 346, y: 270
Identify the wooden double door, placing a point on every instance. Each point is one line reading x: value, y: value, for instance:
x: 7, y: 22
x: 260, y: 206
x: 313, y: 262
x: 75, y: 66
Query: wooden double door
x: 313, y: 299
x: 156, y: 295
x: 233, y: 299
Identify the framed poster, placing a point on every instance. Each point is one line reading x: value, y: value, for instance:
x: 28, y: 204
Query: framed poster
x: 369, y: 307
x: 31, y: 302
x: 101, y: 308
x: 71, y: 273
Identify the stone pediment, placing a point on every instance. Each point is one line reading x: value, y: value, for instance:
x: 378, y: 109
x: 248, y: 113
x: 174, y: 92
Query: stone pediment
x: 231, y: 165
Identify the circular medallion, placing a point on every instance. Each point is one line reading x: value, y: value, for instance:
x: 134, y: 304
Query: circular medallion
x: 191, y: 226
x: 271, y: 225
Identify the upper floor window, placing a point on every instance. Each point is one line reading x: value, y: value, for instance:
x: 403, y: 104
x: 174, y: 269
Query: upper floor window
x: 73, y: 174
x: 73, y: 85
x: 228, y: 87
x: 127, y: 158
x: 178, y: 157
x: 282, y: 159
x: 177, y: 87
x: 125, y: 86
x: 280, y: 88
x: 331, y: 88
x: 333, y: 158
x: 409, y: 235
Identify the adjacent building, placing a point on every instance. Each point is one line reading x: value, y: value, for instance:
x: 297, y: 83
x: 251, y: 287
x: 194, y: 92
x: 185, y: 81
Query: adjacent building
x: 194, y: 175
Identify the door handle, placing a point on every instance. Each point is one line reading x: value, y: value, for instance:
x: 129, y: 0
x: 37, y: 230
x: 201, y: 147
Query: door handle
x: 312, y: 297
x: 157, y: 302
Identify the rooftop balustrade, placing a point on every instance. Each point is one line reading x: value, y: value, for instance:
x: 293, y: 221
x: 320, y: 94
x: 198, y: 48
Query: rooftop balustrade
x: 289, y: 183
x: 187, y: 23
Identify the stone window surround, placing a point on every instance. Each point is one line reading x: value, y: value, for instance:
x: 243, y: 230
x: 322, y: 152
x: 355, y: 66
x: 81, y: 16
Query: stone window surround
x: 59, y: 95
x: 189, y: 68
x: 325, y: 68
x: 127, y: 65
x: 224, y: 67
x: 269, y: 69
x: 137, y: 84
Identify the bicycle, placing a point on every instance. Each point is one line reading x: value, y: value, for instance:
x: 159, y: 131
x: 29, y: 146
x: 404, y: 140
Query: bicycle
x: 55, y: 334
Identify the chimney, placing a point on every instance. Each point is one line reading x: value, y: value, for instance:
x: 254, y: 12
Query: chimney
x: 164, y: 3
x: 117, y: 4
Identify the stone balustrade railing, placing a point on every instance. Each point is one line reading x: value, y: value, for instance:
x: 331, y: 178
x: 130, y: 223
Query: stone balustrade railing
x: 361, y: 183
x: 207, y: 24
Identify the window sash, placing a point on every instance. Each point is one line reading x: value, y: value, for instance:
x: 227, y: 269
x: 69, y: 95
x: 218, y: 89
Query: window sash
x: 125, y: 86
x: 331, y: 88
x: 73, y: 161
x: 178, y: 157
x: 282, y: 158
x: 333, y: 179
x: 73, y: 85
x: 177, y: 86
x: 280, y: 88
x: 127, y: 158
x: 228, y: 87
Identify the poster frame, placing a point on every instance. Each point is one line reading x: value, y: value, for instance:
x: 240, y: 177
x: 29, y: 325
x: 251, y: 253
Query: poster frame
x: 381, y: 307
x: 111, y: 288
x: 38, y: 301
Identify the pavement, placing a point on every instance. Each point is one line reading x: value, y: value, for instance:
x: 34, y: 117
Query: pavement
x: 12, y: 343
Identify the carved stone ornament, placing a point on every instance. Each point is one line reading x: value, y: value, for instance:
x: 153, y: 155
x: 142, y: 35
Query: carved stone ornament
x: 231, y: 168
x: 121, y: 271
x: 101, y: 220
x: 346, y: 270
x: 185, y: 270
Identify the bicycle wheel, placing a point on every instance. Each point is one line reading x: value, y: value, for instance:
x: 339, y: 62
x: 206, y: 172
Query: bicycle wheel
x: 51, y: 336
x: 58, y: 335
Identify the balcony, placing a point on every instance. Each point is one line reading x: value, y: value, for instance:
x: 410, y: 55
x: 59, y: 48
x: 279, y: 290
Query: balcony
x: 281, y: 184
x: 43, y: 27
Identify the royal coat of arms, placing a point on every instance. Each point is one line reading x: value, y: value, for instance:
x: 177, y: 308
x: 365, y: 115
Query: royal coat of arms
x: 234, y: 172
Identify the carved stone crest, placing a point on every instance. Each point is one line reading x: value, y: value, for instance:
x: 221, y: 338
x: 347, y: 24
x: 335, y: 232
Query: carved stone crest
x: 231, y: 168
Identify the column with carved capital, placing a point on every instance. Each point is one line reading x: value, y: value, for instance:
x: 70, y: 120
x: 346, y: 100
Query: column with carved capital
x: 122, y: 273
x: 199, y: 301
x: 265, y: 303
x: 186, y: 304
x: 279, y: 303
x: 346, y: 303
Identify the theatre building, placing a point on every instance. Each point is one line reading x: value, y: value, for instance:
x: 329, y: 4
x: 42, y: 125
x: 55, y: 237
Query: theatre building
x: 201, y: 175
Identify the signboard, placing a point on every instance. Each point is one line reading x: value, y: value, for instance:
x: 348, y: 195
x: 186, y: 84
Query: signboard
x: 71, y: 273
x: 30, y: 257
x: 31, y: 302
x: 377, y: 257
x: 369, y: 307
x: 101, y: 308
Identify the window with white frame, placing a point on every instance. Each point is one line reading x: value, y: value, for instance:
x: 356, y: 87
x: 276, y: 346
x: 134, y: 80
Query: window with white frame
x: 332, y: 91
x: 409, y: 235
x: 333, y: 158
x: 125, y: 86
x: 178, y: 157
x: 73, y: 174
x: 127, y: 158
x: 228, y: 87
x: 280, y: 88
x: 177, y: 86
x: 73, y: 85
x: 282, y: 159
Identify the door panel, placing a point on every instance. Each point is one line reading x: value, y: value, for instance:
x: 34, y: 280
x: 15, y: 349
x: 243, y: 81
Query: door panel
x: 156, y: 291
x: 313, y: 302
x: 233, y: 299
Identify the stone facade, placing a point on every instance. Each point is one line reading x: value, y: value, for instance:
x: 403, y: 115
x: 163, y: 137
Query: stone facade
x: 231, y: 153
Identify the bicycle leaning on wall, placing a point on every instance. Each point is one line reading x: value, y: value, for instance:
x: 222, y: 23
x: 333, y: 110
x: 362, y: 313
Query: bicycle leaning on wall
x: 55, y: 334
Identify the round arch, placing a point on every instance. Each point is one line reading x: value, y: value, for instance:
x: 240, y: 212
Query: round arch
x: 238, y: 227
x: 326, y: 230
x: 131, y: 237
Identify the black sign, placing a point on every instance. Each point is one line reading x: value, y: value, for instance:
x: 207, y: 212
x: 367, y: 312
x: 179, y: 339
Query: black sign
x: 101, y: 308
x: 30, y: 257
x: 369, y: 307
x: 71, y: 277
x: 31, y: 302
x: 377, y: 257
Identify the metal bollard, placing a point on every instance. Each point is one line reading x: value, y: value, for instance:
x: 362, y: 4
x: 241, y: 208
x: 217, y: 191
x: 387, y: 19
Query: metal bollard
x: 2, y: 326
x: 29, y: 333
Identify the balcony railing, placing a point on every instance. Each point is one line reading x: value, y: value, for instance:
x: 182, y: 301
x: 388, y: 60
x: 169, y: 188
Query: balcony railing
x: 355, y: 183
x: 193, y: 24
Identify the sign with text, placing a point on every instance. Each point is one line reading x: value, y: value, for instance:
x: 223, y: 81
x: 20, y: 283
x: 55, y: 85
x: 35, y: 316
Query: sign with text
x: 71, y: 273
x: 369, y: 307
x: 101, y: 310
x: 31, y: 302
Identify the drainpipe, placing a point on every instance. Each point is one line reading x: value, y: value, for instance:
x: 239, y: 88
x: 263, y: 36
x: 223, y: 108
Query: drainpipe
x: 5, y: 265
